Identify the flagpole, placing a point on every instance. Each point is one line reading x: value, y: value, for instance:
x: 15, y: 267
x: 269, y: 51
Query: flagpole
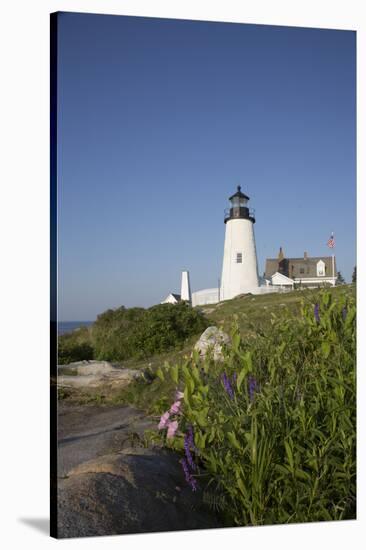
x: 331, y: 244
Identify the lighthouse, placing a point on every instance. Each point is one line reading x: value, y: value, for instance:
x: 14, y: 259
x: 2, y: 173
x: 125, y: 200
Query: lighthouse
x: 239, y: 267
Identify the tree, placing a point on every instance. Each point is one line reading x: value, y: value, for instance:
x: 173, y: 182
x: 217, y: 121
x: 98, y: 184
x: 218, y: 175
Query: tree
x: 354, y: 274
x: 340, y: 279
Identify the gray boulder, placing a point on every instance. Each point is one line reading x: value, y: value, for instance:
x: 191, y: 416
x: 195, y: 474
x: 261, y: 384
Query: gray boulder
x: 212, y: 342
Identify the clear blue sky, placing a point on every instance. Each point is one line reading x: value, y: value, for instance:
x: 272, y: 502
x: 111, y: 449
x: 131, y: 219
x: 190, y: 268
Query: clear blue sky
x: 160, y: 120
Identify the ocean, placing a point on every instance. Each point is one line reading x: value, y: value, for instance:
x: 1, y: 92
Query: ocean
x: 68, y: 326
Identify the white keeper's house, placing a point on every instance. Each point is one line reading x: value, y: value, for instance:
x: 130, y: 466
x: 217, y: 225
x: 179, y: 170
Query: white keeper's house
x: 307, y: 272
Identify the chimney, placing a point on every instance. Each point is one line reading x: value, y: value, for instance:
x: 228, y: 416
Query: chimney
x: 185, y: 290
x: 281, y: 254
x: 305, y: 255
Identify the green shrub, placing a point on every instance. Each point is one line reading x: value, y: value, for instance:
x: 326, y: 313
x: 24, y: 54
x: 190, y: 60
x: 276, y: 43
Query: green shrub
x: 75, y: 346
x: 113, y: 333
x: 272, y: 427
x: 127, y: 333
x: 123, y: 333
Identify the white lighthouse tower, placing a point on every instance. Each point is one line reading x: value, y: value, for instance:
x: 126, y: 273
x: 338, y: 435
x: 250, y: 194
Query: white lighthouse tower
x: 239, y: 268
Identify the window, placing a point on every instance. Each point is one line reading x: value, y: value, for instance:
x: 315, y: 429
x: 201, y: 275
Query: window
x: 302, y: 270
x: 320, y: 268
x: 239, y: 258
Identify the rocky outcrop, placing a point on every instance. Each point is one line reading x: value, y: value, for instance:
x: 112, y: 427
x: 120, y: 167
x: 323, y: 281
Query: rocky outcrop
x: 108, y: 486
x: 212, y: 342
x: 92, y: 374
x: 89, y: 431
x: 137, y: 491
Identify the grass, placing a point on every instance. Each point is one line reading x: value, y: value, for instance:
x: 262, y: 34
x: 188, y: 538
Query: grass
x: 274, y: 422
x: 280, y: 448
x: 252, y: 314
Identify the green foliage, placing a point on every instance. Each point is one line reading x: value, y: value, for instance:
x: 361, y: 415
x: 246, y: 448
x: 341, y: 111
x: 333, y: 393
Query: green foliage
x: 253, y: 314
x: 137, y: 333
x: 354, y: 274
x: 340, y: 279
x: 75, y: 346
x: 113, y: 333
x: 123, y: 333
x: 281, y: 447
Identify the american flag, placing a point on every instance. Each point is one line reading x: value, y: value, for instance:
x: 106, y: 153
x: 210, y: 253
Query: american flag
x: 331, y: 241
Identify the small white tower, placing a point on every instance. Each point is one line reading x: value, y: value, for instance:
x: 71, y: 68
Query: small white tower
x: 239, y: 268
x: 185, y: 289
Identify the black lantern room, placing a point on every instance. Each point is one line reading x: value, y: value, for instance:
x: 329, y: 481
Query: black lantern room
x: 239, y: 208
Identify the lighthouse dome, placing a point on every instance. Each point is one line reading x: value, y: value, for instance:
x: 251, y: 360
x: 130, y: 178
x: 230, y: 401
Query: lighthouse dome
x: 239, y: 208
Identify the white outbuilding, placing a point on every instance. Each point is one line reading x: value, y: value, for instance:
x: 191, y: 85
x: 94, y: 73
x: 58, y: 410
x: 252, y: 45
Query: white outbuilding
x: 171, y: 299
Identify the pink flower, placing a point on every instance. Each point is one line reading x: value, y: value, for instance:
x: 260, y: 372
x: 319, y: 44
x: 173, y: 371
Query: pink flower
x: 164, y: 420
x: 174, y: 409
x: 172, y: 428
x: 179, y: 395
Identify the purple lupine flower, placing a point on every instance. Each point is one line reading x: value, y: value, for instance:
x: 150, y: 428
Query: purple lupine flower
x: 191, y: 438
x: 252, y: 387
x: 344, y: 313
x: 189, y: 478
x: 188, y: 445
x: 316, y: 313
x: 227, y: 385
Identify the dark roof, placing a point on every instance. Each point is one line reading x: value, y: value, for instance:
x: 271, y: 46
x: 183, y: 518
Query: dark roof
x: 176, y: 296
x: 239, y: 194
x: 291, y: 267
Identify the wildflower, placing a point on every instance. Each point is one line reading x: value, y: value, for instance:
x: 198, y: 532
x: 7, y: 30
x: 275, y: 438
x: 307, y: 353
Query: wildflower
x: 316, y: 313
x: 344, y: 313
x: 188, y: 445
x: 172, y: 428
x: 164, y: 420
x: 189, y: 478
x: 178, y: 395
x: 252, y: 387
x: 191, y: 438
x: 174, y: 409
x: 227, y: 385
